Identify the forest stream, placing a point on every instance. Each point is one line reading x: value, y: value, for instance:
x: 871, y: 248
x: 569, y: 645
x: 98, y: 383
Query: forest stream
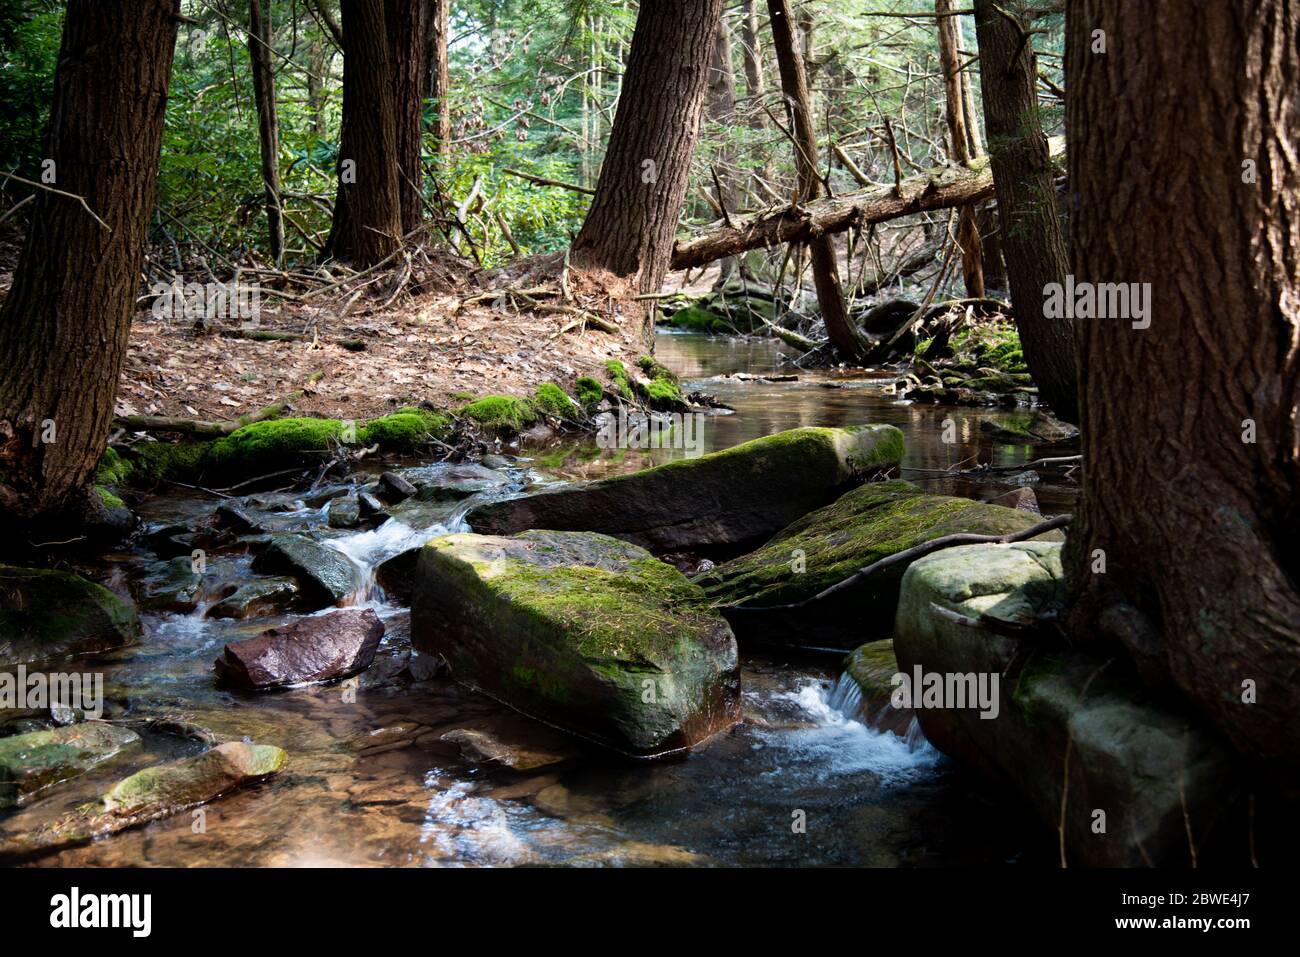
x: 371, y: 781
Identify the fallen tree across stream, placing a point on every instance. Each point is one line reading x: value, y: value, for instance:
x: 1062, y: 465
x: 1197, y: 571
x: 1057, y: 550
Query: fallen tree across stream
x: 941, y: 188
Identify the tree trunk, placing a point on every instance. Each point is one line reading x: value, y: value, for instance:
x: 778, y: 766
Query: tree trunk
x: 268, y: 126
x: 942, y: 188
x: 65, y: 324
x: 367, y: 211
x: 840, y: 328
x: 968, y: 233
x: 1190, y: 440
x: 720, y: 107
x: 629, y: 229
x: 439, y: 84
x: 407, y: 22
x: 755, y: 82
x: 1032, y: 242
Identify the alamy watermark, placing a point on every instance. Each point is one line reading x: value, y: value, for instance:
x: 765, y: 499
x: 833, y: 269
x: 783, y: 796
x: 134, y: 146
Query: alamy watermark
x: 214, y: 300
x: 1106, y: 300
x: 946, y: 691
x: 38, y: 691
x: 642, y: 430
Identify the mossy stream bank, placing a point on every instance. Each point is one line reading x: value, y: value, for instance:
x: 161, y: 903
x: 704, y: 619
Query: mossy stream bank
x: 403, y: 765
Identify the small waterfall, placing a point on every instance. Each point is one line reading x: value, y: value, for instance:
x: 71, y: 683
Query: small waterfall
x: 369, y: 549
x: 846, y: 698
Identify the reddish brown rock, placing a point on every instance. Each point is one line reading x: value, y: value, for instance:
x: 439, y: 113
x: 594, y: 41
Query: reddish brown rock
x: 319, y: 648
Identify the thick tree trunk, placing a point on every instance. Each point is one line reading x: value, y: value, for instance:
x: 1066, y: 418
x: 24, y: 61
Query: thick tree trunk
x: 367, y: 223
x: 268, y: 125
x: 941, y: 188
x: 1190, y: 440
x: 840, y: 328
x: 407, y: 22
x: 752, y: 55
x: 629, y: 229
x: 439, y: 84
x: 720, y: 107
x: 65, y: 323
x: 968, y: 234
x: 1032, y: 241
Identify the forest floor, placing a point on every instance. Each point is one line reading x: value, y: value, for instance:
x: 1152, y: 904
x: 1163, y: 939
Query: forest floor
x: 452, y: 340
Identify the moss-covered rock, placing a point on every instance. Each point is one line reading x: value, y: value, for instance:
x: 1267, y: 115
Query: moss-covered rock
x: 501, y: 413
x: 619, y: 379
x: 47, y: 615
x: 265, y: 447
x: 659, y: 388
x: 871, y: 671
x: 407, y: 430
x: 581, y: 631
x: 588, y: 391
x: 31, y: 762
x: 550, y: 399
x: 827, y: 546
x: 717, y: 504
x: 1152, y: 769
x: 151, y: 794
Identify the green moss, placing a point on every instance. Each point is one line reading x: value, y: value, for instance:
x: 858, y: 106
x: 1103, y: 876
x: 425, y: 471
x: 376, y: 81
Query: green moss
x: 550, y: 399
x: 108, y: 498
x: 264, y: 447
x: 698, y: 318
x: 588, y: 391
x: 501, y: 412
x: 991, y: 345
x: 114, y: 470
x: 406, y: 430
x: 618, y: 376
x: 662, y: 390
x: 156, y: 462
x: 868, y: 524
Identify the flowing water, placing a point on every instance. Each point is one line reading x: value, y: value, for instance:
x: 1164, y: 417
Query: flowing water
x: 803, y: 781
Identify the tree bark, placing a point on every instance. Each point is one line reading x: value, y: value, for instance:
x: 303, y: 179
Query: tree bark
x: 1189, y: 426
x: 968, y: 233
x: 268, y: 125
x: 407, y: 22
x: 840, y: 328
x: 941, y: 188
x: 439, y: 84
x: 755, y: 82
x: 720, y: 107
x: 367, y: 224
x: 629, y: 229
x: 65, y: 323
x: 1032, y: 242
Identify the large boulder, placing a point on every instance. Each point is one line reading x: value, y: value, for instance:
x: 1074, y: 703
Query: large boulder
x: 827, y: 546
x: 1137, y: 774
x: 716, y: 505
x: 49, y: 615
x: 30, y: 762
x: 584, y: 632
x: 326, y: 575
x: 319, y: 648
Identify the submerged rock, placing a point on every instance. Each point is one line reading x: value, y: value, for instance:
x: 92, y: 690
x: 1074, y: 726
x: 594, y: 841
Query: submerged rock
x: 827, y: 546
x: 460, y: 481
x: 30, y: 762
x: 584, y: 632
x: 327, y: 576
x: 533, y: 749
x: 173, y: 585
x: 717, y: 504
x: 47, y: 615
x: 1152, y: 771
x: 151, y: 794
x: 319, y: 648
x: 256, y: 598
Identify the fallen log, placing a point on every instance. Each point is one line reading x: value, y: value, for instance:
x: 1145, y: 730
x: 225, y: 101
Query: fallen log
x: 199, y: 427
x: 942, y: 188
